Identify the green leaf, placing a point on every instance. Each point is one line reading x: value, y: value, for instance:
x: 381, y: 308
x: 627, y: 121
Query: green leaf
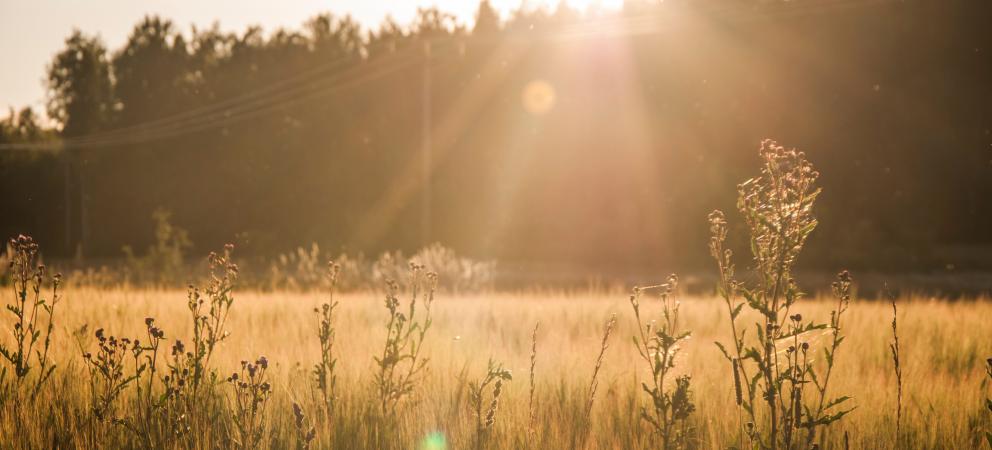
x: 828, y: 419
x: 816, y: 381
x: 724, y: 350
x: 803, y: 329
x: 836, y: 401
x: 736, y: 311
x: 753, y: 354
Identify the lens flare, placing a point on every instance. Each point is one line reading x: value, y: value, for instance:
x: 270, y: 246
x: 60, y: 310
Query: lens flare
x: 434, y: 441
x: 538, y: 97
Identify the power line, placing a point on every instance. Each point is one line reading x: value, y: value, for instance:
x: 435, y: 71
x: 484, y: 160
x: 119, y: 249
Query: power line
x: 244, y: 112
x: 255, y: 96
x: 359, y: 75
x: 304, y: 86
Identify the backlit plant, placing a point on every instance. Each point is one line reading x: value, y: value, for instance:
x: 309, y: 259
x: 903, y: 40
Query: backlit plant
x: 772, y: 370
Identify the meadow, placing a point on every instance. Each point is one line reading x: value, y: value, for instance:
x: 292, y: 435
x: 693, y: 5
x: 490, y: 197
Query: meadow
x: 412, y: 364
x: 943, y: 350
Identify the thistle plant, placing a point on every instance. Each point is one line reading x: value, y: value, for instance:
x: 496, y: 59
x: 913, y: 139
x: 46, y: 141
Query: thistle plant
x: 179, y: 399
x: 188, y: 368
x: 323, y: 372
x: 401, y: 363
x: 150, y: 353
x: 251, y: 394
x: 33, y: 319
x: 209, y: 310
x: 116, y: 365
x: 659, y: 346
x: 484, y: 421
x: 773, y: 370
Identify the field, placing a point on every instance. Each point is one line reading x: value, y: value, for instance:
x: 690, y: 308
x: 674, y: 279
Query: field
x: 943, y: 349
x: 418, y: 363
x: 448, y: 225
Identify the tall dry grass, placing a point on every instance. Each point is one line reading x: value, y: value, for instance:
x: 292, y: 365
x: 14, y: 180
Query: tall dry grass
x: 943, y: 349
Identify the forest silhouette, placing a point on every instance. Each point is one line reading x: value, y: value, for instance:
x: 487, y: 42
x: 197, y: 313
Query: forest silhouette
x: 645, y: 119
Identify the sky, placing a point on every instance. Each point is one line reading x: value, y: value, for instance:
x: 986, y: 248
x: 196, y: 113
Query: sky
x: 32, y: 31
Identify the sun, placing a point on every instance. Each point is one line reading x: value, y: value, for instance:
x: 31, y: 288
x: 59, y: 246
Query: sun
x: 582, y: 5
x: 587, y: 4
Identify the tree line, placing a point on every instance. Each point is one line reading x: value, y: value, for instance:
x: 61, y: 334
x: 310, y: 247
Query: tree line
x: 318, y: 134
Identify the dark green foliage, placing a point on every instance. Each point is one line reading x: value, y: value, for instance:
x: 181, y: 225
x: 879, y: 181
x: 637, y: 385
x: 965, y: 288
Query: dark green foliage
x: 23, y: 127
x: 164, y: 262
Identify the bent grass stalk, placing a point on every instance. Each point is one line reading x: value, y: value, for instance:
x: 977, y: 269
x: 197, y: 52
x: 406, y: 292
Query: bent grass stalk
x: 594, y: 383
x: 495, y: 375
x: 897, y: 367
x: 531, y: 413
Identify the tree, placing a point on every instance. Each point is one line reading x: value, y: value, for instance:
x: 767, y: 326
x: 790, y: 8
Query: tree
x: 332, y: 37
x: 487, y: 20
x: 22, y: 126
x: 434, y: 23
x: 80, y: 96
x: 150, y: 72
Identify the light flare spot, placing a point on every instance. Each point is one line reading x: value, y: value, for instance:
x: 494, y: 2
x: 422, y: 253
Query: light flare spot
x: 434, y: 441
x: 538, y: 97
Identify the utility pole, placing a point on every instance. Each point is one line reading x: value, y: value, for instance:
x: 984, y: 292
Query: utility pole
x: 83, y: 200
x: 74, y: 201
x: 67, y: 200
x: 425, y: 156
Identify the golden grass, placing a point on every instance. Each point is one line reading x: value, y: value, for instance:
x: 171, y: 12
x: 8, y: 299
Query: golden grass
x: 943, y: 349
